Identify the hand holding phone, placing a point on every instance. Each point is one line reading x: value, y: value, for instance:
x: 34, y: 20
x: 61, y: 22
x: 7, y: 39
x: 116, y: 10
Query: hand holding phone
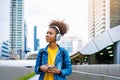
x: 50, y: 66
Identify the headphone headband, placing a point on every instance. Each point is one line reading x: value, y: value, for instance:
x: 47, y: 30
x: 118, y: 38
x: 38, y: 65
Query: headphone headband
x: 57, y: 29
x: 58, y: 35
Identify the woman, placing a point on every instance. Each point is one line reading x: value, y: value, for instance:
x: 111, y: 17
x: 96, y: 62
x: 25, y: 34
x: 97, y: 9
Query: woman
x: 53, y: 61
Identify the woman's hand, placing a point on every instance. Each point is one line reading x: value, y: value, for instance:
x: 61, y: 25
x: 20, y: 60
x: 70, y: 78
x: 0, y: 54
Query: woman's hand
x: 53, y: 70
x: 43, y: 68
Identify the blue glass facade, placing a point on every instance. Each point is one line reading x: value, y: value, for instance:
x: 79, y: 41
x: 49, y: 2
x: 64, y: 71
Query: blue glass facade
x: 25, y: 37
x: 4, y: 50
x: 36, y: 41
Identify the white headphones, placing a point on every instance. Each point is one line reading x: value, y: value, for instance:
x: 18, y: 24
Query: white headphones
x: 58, y: 36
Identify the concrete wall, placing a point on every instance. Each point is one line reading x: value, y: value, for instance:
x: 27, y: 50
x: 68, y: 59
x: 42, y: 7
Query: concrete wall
x: 95, y: 72
x: 12, y: 73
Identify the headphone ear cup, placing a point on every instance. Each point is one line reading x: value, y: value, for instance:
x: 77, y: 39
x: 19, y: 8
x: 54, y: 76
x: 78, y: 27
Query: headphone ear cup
x: 58, y: 36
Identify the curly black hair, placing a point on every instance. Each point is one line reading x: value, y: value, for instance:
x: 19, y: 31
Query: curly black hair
x: 63, y: 27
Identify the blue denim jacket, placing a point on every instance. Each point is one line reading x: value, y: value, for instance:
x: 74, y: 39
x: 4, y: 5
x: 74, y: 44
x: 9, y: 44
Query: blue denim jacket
x: 62, y: 62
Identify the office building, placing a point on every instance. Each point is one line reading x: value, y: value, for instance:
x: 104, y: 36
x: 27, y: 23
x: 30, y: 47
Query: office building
x: 36, y: 41
x: 103, y: 31
x: 4, y: 50
x: 102, y: 15
x: 71, y: 44
x: 67, y: 44
x: 25, y: 37
x: 16, y: 35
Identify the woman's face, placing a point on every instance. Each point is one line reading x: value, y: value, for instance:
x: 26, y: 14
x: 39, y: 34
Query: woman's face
x: 50, y: 36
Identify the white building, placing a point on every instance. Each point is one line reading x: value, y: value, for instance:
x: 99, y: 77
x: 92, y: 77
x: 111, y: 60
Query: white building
x: 16, y: 35
x: 102, y: 15
x: 71, y: 44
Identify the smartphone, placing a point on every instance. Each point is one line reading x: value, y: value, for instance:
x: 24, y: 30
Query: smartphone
x: 49, y: 67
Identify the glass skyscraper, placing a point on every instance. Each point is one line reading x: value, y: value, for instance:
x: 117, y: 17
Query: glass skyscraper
x: 25, y: 37
x: 4, y: 50
x: 16, y: 35
x: 36, y: 41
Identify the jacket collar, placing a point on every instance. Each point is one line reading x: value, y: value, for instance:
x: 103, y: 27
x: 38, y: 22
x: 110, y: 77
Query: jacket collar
x: 60, y: 48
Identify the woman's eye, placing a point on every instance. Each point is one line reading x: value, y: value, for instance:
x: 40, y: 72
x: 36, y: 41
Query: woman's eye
x: 50, y: 33
x: 47, y: 33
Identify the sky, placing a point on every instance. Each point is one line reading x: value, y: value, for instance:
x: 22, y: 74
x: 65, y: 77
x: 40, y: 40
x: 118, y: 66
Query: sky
x: 4, y: 20
x: 40, y: 12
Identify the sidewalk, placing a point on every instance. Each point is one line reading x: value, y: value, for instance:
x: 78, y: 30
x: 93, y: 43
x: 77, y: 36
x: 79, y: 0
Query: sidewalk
x: 36, y: 77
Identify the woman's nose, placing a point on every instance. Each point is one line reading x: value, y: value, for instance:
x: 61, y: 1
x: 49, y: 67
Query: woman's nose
x: 47, y: 35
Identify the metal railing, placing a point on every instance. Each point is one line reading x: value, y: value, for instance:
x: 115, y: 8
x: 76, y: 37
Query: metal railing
x: 78, y: 75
